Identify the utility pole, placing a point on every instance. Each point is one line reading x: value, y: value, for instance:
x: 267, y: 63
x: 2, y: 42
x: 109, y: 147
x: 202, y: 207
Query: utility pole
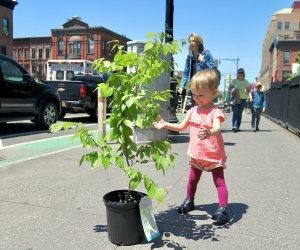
x: 169, y: 38
x: 169, y: 20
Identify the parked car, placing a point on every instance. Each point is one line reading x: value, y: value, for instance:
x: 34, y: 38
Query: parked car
x: 80, y: 94
x: 23, y: 98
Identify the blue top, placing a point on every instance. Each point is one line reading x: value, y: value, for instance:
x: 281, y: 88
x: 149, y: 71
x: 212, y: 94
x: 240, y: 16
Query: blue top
x: 207, y: 63
x: 259, y: 99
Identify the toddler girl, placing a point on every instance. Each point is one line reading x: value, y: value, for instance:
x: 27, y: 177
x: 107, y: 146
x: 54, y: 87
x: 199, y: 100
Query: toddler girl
x: 206, y: 146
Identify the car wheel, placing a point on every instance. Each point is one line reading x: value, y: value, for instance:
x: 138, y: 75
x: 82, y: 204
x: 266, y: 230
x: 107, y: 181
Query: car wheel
x: 48, y: 115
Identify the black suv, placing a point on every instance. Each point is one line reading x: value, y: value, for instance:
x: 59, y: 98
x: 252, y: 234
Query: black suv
x: 22, y: 98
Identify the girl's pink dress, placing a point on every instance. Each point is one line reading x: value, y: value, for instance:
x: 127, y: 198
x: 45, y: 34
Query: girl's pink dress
x: 210, y: 152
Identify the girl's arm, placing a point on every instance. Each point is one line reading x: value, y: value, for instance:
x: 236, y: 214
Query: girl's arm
x: 204, y: 133
x: 172, y: 126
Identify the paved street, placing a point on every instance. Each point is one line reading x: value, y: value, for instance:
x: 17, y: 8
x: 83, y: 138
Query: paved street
x: 50, y: 203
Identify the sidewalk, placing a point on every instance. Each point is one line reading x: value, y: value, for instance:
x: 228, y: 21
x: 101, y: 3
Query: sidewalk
x: 50, y: 203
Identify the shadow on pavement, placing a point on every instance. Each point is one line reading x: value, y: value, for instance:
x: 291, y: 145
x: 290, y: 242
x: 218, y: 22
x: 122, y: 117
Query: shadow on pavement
x: 193, y: 227
x: 100, y: 228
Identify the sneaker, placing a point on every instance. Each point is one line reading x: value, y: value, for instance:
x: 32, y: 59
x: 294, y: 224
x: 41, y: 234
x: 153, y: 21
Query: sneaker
x: 221, y: 216
x: 238, y: 130
x: 234, y: 129
x: 253, y: 129
x: 257, y: 129
x: 187, y: 206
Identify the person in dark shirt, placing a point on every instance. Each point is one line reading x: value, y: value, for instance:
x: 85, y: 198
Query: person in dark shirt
x: 258, y: 106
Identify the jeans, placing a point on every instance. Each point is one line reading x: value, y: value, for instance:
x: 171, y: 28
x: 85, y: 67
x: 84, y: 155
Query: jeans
x: 256, y: 112
x: 237, y: 110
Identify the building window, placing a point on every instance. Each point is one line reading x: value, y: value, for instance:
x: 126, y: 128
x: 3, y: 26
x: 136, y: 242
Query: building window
x: 20, y: 54
x: 40, y: 53
x: 298, y: 36
x: 5, y: 26
x: 47, y: 53
x: 26, y: 53
x: 287, y: 25
x: 75, y: 48
x: 3, y: 50
x: 286, y: 58
x: 60, y: 46
x: 91, y: 45
x: 279, y: 25
x: 33, y: 53
x: 285, y: 75
x: 104, y: 47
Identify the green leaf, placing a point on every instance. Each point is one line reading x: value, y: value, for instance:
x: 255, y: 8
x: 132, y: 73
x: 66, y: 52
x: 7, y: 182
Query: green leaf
x: 120, y: 162
x: 129, y: 102
x: 160, y: 194
x: 105, y: 162
x: 128, y: 123
x: 150, y: 35
x: 139, y: 122
x: 150, y: 187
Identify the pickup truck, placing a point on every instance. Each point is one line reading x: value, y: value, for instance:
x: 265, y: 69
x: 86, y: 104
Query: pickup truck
x: 23, y: 98
x: 79, y: 95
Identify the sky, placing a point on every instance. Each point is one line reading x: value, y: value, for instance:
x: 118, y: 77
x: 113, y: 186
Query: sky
x: 231, y: 29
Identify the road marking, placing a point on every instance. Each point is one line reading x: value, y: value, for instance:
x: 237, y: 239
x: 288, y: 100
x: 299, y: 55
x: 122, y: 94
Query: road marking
x: 39, y: 148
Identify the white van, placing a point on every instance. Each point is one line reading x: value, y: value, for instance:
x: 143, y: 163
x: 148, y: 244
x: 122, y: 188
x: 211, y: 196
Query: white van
x: 64, y: 70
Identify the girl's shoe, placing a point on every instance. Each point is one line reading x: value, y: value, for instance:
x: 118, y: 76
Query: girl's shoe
x: 221, y: 216
x: 187, y: 206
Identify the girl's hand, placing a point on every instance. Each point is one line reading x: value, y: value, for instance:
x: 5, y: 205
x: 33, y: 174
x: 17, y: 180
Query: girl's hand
x: 203, y: 133
x: 159, y: 125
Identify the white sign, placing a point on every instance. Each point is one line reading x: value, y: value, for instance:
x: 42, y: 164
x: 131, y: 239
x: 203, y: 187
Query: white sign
x: 148, y: 220
x: 295, y: 68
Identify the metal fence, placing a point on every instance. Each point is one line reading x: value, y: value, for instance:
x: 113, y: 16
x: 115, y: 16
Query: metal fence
x: 283, y: 104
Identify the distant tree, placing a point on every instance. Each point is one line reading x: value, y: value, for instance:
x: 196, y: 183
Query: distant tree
x: 291, y: 76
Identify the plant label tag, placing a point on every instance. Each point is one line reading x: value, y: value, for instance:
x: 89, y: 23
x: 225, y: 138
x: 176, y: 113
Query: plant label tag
x: 148, y: 220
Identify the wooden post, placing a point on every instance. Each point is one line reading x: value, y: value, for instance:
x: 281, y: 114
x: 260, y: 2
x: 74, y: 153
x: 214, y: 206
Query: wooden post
x: 101, y: 115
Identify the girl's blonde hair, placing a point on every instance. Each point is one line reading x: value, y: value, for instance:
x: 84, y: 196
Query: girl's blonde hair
x: 205, y: 79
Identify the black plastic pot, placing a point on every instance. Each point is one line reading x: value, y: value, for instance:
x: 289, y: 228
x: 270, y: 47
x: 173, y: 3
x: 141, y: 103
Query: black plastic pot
x: 123, y: 219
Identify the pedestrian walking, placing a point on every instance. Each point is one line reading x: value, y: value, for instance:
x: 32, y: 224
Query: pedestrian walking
x: 258, y: 106
x: 206, y: 145
x: 242, y: 85
x: 197, y: 60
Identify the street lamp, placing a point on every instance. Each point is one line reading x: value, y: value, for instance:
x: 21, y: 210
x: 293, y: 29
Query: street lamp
x: 236, y: 61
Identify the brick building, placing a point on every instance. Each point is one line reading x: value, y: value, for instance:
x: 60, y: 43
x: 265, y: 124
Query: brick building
x: 281, y: 45
x: 75, y: 40
x: 33, y: 53
x: 6, y: 30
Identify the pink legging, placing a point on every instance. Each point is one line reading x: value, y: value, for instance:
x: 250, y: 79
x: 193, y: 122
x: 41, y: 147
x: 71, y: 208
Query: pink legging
x: 218, y: 176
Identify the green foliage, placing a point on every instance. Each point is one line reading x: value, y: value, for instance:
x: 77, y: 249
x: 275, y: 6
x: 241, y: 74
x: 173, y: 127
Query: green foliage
x: 292, y: 76
x: 133, y: 107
